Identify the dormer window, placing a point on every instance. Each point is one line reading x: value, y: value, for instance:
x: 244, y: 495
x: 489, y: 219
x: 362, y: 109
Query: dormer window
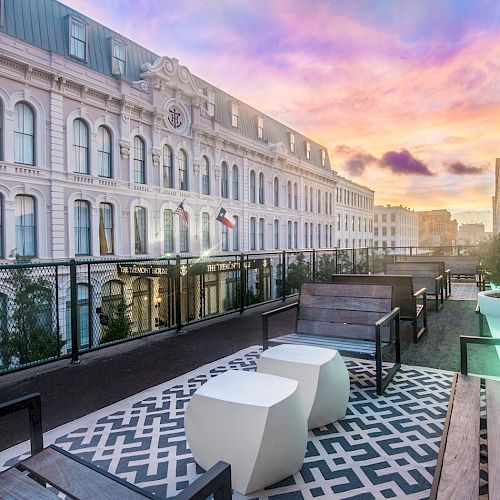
x: 260, y: 127
x: 292, y: 142
x: 234, y: 114
x: 210, y: 106
x: 77, y: 38
x: 118, y: 57
x: 323, y: 157
x: 308, y: 150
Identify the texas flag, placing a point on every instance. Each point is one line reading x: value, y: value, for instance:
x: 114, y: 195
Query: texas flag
x: 225, y: 219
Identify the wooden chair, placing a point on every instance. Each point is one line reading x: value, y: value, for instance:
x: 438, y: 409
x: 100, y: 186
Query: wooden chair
x: 424, y: 274
x: 80, y: 479
x: 354, y: 319
x: 404, y: 296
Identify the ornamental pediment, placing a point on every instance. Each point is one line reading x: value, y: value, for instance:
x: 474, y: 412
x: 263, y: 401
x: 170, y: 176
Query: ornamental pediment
x: 166, y: 72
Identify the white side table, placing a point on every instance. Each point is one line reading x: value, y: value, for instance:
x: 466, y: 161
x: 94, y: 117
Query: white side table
x: 253, y: 421
x: 322, y: 376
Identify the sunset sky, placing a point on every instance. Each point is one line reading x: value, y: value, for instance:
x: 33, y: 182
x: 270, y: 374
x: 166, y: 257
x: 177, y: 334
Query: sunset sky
x: 404, y: 93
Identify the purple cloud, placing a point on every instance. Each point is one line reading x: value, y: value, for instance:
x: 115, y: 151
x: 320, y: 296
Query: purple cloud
x: 403, y: 162
x: 459, y: 168
x: 356, y: 161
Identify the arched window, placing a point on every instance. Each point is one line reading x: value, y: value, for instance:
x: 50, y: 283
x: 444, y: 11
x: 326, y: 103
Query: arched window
x: 252, y: 186
x: 24, y: 134
x: 82, y: 227
x: 140, y: 230
x: 253, y: 236
x: 205, y: 231
x: 306, y: 198
x: 106, y: 229
x: 295, y: 234
x: 310, y: 201
x: 276, y: 231
x: 276, y: 192
x: 141, y: 305
x: 319, y: 201
x: 234, y: 175
x: 81, y: 146
x: 168, y: 167
x: 112, y: 302
x: 104, y: 151
x: 262, y: 194
x: 25, y: 223
x: 261, y: 233
x: 224, y: 238
x: 139, y: 160
x: 168, y: 231
x: 306, y: 235
x: 205, y: 175
x: 224, y: 182
x: 295, y: 196
x: 183, y: 170
x: 289, y: 194
x: 289, y: 233
x: 82, y: 314
x: 184, y: 234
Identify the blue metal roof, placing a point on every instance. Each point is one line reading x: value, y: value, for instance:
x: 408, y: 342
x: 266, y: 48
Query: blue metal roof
x: 45, y: 24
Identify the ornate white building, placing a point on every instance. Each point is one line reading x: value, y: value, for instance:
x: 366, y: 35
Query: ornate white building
x: 102, y: 140
x: 395, y: 227
x: 353, y: 214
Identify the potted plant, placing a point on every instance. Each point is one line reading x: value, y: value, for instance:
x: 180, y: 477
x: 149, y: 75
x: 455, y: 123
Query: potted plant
x: 489, y: 301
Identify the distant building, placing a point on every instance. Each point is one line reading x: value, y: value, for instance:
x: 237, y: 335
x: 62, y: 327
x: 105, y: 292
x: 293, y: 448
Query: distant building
x: 436, y: 228
x: 395, y: 227
x: 353, y: 214
x: 496, y: 199
x: 471, y: 234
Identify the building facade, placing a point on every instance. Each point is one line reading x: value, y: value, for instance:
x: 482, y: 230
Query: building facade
x: 471, y: 234
x: 496, y: 199
x: 102, y: 140
x: 353, y: 215
x: 395, y: 227
x: 436, y: 228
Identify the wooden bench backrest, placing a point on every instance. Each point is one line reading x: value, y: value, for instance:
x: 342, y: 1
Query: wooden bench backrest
x: 428, y: 260
x: 343, y: 310
x: 403, y: 288
x: 423, y: 273
x: 462, y: 264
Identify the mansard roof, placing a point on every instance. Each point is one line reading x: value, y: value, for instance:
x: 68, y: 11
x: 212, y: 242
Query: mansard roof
x: 44, y: 24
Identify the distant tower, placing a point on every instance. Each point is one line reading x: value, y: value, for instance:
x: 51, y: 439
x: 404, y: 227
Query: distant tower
x: 496, y: 199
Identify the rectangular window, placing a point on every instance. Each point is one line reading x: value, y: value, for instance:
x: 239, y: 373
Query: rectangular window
x: 118, y: 57
x: 184, y: 235
x: 168, y: 231
x: 205, y: 231
x: 375, y: 218
x: 234, y: 114
x: 295, y: 234
x: 292, y: 142
x: 384, y: 231
x: 260, y: 127
x: 319, y: 235
x: 77, y: 39
x: 210, y: 102
x: 289, y: 234
x: 224, y: 238
x: 393, y: 217
x: 25, y: 222
x: 375, y: 232
x: 323, y: 157
x: 338, y: 222
x: 384, y: 217
x: 393, y: 231
x: 236, y: 233
x: 276, y: 230
x: 140, y: 230
x: 308, y: 150
x: 306, y: 235
x: 105, y: 228
x: 82, y: 228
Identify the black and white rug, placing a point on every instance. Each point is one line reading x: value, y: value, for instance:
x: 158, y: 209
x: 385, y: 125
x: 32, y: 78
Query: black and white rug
x: 385, y: 447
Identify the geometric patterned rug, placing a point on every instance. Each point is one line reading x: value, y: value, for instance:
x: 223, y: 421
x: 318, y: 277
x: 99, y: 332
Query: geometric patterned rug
x: 385, y: 447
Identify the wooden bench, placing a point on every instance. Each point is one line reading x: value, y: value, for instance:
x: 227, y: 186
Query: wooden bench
x: 80, y: 479
x: 443, y: 270
x: 354, y: 319
x: 458, y: 464
x: 405, y: 297
x: 424, y: 274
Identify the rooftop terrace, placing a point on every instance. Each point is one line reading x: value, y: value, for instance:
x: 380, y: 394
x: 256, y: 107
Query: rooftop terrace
x: 122, y: 407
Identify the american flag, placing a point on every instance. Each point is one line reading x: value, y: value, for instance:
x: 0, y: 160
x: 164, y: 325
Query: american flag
x: 182, y: 214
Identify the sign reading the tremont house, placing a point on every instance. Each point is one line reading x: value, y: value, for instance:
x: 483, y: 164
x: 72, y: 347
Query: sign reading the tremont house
x: 163, y: 270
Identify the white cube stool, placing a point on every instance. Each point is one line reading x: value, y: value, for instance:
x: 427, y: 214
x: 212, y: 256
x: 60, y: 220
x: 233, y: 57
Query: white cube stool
x: 253, y: 421
x: 322, y: 376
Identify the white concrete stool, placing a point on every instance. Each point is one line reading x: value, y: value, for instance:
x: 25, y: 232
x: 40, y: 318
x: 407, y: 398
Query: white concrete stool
x: 322, y: 376
x: 253, y: 421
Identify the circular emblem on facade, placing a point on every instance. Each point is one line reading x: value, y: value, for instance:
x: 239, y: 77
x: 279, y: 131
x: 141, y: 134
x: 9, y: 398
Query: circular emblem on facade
x: 177, y: 119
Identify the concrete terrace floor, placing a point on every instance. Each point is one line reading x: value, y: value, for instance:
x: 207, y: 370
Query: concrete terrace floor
x: 70, y: 391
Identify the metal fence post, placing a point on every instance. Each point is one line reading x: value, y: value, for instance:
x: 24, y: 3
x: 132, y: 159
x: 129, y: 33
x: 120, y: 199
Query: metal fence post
x: 243, y: 287
x: 314, y: 265
x: 74, y: 311
x: 178, y: 309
